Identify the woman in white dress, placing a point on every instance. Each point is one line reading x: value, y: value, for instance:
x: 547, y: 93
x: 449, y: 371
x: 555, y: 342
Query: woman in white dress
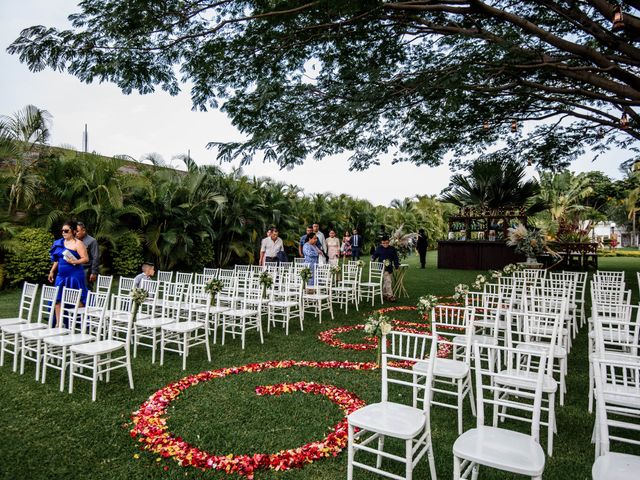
x: 333, y: 248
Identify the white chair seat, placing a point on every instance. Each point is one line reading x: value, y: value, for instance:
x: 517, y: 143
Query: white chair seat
x: 284, y: 304
x: 461, y: 341
x: 558, y: 352
x: 610, y: 337
x: 503, y: 449
x: 214, y: 310
x: 444, y: 367
x: 182, y: 327
x: 154, y: 322
x: 387, y: 418
x: 616, y: 466
x: 500, y: 324
x: 369, y: 284
x: 623, y: 396
x: 549, y: 385
x: 44, y: 333
x: 240, y: 312
x: 97, y: 348
x: 22, y: 327
x: 316, y: 296
x: 66, y: 340
x: 10, y: 321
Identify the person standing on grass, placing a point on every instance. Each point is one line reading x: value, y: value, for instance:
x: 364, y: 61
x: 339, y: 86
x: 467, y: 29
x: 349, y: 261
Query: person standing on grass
x: 322, y: 242
x: 303, y: 240
x: 421, y: 247
x: 388, y: 255
x: 270, y: 247
x: 92, y: 268
x: 356, y: 244
x: 263, y: 243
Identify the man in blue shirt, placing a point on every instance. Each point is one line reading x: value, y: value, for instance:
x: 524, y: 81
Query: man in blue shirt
x: 388, y: 255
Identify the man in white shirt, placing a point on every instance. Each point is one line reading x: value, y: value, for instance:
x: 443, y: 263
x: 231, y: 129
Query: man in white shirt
x: 270, y: 247
x: 321, y: 239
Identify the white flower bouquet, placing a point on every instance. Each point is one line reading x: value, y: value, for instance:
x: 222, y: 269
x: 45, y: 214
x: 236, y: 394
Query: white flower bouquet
x: 479, y: 283
x: 138, y: 296
x: 305, y: 275
x: 213, y: 287
x: 378, y: 325
x: 460, y: 292
x: 266, y: 280
x: 426, y: 304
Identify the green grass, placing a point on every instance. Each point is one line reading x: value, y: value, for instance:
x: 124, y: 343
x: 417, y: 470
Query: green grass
x: 48, y: 434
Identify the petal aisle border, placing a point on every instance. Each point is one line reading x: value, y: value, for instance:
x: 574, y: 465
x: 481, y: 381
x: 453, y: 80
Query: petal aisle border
x: 150, y: 424
x: 371, y: 343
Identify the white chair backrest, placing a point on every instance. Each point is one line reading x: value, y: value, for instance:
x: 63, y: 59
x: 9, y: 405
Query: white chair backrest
x: 27, y: 301
x: 103, y: 283
x: 123, y: 304
x: 184, y: 277
x: 542, y: 330
x: 164, y: 277
x: 94, y: 313
x: 617, y: 330
x: 376, y: 270
x: 172, y: 300
x: 69, y: 308
x: 498, y: 387
x: 617, y: 393
x: 125, y: 285
x: 47, y: 306
x: 210, y: 272
x: 450, y: 321
x: 398, y: 358
x: 298, y: 260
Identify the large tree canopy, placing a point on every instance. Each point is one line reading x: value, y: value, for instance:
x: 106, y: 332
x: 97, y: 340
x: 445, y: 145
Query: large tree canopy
x: 418, y: 78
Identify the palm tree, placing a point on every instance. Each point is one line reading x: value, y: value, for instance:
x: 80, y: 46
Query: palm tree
x: 21, y: 137
x: 493, y: 183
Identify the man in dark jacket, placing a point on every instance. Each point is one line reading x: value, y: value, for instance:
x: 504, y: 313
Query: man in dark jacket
x: 421, y: 247
x: 388, y: 255
x: 92, y: 268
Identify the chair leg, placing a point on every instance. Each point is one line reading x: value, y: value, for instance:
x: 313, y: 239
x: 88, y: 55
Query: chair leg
x: 456, y: 468
x: 475, y: 471
x: 431, y: 458
x: 551, y: 424
x: 350, y: 453
x: 72, y: 360
x: 380, y: 448
x: 185, y: 353
x: 161, y: 346
x: 135, y: 342
x: 94, y: 379
x: 16, y: 351
x: 206, y: 343
x: 471, y: 396
x: 22, y: 356
x: 2, y: 349
x: 63, y: 368
x: 153, y: 345
x: 408, y: 458
x: 460, y: 400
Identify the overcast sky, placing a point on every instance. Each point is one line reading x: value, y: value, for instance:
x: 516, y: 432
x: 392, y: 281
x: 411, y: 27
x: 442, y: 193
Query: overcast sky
x: 136, y: 125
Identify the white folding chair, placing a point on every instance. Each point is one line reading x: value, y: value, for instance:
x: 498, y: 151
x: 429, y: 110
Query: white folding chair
x: 497, y: 447
x: 617, y: 407
x: 27, y: 304
x: 184, y: 277
x: 191, y: 332
x: 372, y: 288
x: 319, y: 298
x: 536, y: 332
x: 210, y: 272
x: 285, y: 303
x: 55, y: 348
x: 347, y: 290
x: 146, y: 331
x: 101, y: 357
x: 10, y: 340
x: 396, y: 420
x: 32, y: 341
x: 449, y: 322
x: 246, y: 315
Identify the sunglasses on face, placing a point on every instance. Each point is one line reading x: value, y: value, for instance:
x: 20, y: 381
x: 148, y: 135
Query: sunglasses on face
x: 65, y: 230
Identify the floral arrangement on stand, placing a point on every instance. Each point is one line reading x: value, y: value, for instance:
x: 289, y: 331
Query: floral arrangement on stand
x: 360, y: 264
x: 378, y: 325
x: 335, y: 270
x: 138, y: 296
x: 426, y: 304
x: 151, y: 431
x: 403, y: 243
x: 266, y: 280
x: 529, y: 242
x: 305, y: 275
x: 213, y: 287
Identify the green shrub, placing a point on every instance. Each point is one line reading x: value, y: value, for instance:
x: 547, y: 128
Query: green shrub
x: 127, y: 256
x: 30, y: 260
x: 620, y: 253
x: 203, y: 255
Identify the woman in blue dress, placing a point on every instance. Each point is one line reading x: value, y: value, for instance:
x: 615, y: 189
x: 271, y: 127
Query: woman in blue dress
x: 68, y: 254
x: 311, y: 254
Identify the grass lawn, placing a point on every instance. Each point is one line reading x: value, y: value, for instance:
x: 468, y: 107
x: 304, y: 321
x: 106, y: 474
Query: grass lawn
x: 48, y: 434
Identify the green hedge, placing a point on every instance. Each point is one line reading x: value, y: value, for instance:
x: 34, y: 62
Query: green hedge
x: 30, y: 260
x: 127, y: 256
x: 620, y: 253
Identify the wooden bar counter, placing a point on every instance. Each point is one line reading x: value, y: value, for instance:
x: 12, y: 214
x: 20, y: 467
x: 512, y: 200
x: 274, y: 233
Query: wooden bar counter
x: 476, y: 255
